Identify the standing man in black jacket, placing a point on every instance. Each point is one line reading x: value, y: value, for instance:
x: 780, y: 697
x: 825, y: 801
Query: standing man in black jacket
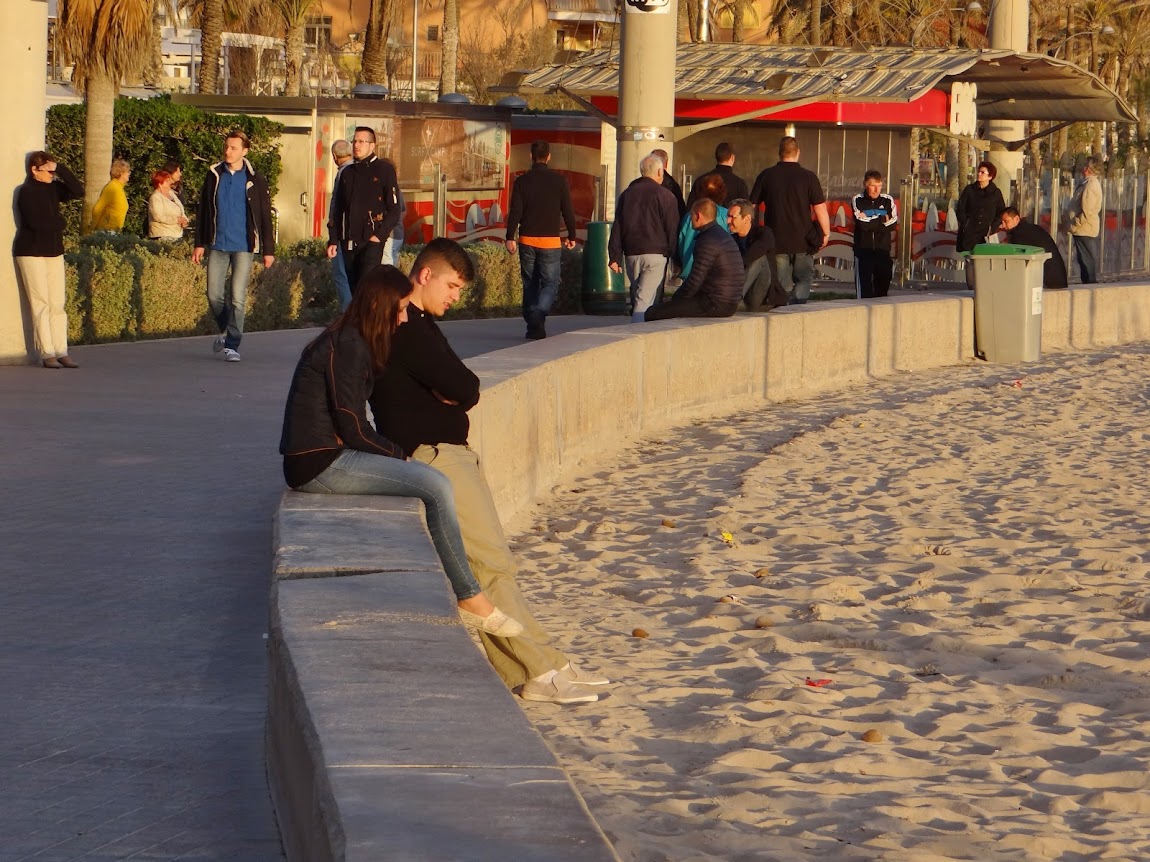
x: 421, y: 402
x: 234, y: 223
x: 725, y: 168
x: 365, y: 208
x: 538, y: 199
x: 644, y: 235
x: 715, y: 285
x: 670, y: 183
x: 875, y: 216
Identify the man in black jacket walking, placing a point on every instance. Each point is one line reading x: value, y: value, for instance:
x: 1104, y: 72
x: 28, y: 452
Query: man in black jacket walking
x: 365, y: 208
x: 715, y: 285
x: 644, y: 235
x: 233, y: 223
x: 538, y: 199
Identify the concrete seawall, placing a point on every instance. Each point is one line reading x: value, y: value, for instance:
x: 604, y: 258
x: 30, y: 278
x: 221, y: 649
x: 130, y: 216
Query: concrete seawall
x: 389, y: 737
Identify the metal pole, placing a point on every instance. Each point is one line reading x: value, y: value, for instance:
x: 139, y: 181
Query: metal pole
x: 1133, y: 219
x: 1146, y: 225
x: 1008, y: 27
x: 646, y: 99
x: 414, y: 46
x: 1102, y: 231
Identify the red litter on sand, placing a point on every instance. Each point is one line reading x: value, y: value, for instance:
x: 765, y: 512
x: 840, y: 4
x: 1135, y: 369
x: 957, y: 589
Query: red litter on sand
x: 816, y: 683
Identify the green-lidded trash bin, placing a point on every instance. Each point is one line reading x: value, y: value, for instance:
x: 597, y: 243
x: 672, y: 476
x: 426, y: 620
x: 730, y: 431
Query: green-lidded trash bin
x: 1008, y: 301
x: 604, y: 291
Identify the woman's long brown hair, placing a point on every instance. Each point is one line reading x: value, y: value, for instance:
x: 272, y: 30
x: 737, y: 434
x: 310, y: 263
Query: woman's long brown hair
x: 374, y: 310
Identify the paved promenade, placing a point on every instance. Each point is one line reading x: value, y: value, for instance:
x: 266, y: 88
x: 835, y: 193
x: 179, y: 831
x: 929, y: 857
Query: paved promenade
x: 135, y: 533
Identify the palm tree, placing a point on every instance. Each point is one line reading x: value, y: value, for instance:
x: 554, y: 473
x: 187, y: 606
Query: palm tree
x: 213, y: 16
x: 380, y: 16
x: 105, y: 40
x: 293, y: 14
x: 449, y: 65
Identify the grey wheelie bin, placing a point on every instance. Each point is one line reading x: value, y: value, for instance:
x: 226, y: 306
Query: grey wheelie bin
x: 1008, y: 301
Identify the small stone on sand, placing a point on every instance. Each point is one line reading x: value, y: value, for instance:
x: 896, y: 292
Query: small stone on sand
x: 669, y: 522
x: 763, y: 622
x: 639, y: 633
x: 872, y: 735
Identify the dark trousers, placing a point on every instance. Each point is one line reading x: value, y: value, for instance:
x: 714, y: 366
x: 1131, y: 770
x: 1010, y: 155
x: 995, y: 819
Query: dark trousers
x: 360, y: 260
x: 1086, y: 250
x: 699, y: 305
x: 539, y: 268
x: 873, y: 271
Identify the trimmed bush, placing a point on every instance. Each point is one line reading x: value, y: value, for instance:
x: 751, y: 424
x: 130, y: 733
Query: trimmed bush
x: 120, y: 287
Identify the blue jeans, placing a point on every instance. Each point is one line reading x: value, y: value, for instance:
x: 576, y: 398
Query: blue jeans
x: 339, y: 276
x: 796, y: 274
x: 1086, y: 250
x: 539, y: 268
x: 647, y: 273
x: 228, y: 305
x: 366, y: 473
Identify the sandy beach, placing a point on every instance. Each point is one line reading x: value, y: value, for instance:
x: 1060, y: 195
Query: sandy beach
x: 954, y: 562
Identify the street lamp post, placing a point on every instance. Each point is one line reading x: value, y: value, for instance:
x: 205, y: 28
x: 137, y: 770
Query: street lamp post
x: 414, y: 46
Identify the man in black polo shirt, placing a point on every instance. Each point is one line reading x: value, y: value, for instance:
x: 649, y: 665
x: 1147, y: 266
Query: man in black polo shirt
x: 364, y: 208
x: 792, y: 195
x: 538, y: 199
x: 421, y: 403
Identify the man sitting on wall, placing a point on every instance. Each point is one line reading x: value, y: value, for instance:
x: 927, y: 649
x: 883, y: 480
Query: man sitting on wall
x: 715, y: 285
x: 761, y: 288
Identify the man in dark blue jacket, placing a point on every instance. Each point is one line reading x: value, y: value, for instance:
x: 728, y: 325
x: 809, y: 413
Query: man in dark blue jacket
x: 876, y: 215
x: 715, y: 285
x: 539, y: 198
x: 644, y: 235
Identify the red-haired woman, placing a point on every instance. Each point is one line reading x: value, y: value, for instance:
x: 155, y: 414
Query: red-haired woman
x: 329, y: 447
x: 166, y: 218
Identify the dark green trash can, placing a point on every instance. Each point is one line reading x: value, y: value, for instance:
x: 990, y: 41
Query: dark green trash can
x: 604, y: 291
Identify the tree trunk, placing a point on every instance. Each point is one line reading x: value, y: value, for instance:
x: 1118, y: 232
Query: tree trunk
x: 101, y: 105
x: 211, y: 41
x: 737, y: 14
x: 843, y: 11
x: 816, y: 22
x: 953, y: 168
x: 374, y: 68
x: 293, y: 59
x: 153, y: 74
x: 450, y: 62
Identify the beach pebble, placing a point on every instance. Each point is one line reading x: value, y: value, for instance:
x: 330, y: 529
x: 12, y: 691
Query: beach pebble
x: 762, y: 573
x: 763, y: 622
x: 871, y: 735
x: 669, y: 522
x: 639, y: 633
x: 726, y: 600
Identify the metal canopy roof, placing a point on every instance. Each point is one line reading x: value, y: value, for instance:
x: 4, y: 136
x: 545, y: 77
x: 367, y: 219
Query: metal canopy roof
x: 1011, y: 86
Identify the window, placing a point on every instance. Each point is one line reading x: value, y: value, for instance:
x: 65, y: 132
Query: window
x: 560, y: 39
x: 433, y: 33
x: 317, y: 32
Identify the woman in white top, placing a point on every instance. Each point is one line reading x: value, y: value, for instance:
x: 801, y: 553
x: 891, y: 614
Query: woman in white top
x: 166, y: 217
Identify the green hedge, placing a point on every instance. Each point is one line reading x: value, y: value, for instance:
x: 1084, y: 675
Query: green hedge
x: 121, y: 288
x: 150, y: 132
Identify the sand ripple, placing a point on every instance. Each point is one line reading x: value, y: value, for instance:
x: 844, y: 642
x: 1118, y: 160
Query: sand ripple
x: 964, y: 558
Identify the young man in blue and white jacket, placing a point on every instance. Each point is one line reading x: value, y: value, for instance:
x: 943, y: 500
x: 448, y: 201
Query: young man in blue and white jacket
x: 875, y: 215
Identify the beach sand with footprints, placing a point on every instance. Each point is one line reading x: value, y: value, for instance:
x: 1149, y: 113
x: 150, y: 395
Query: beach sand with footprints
x: 908, y: 621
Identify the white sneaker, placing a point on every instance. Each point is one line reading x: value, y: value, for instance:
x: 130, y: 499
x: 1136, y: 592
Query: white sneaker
x: 231, y: 355
x: 559, y: 690
x: 575, y: 674
x: 218, y: 344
